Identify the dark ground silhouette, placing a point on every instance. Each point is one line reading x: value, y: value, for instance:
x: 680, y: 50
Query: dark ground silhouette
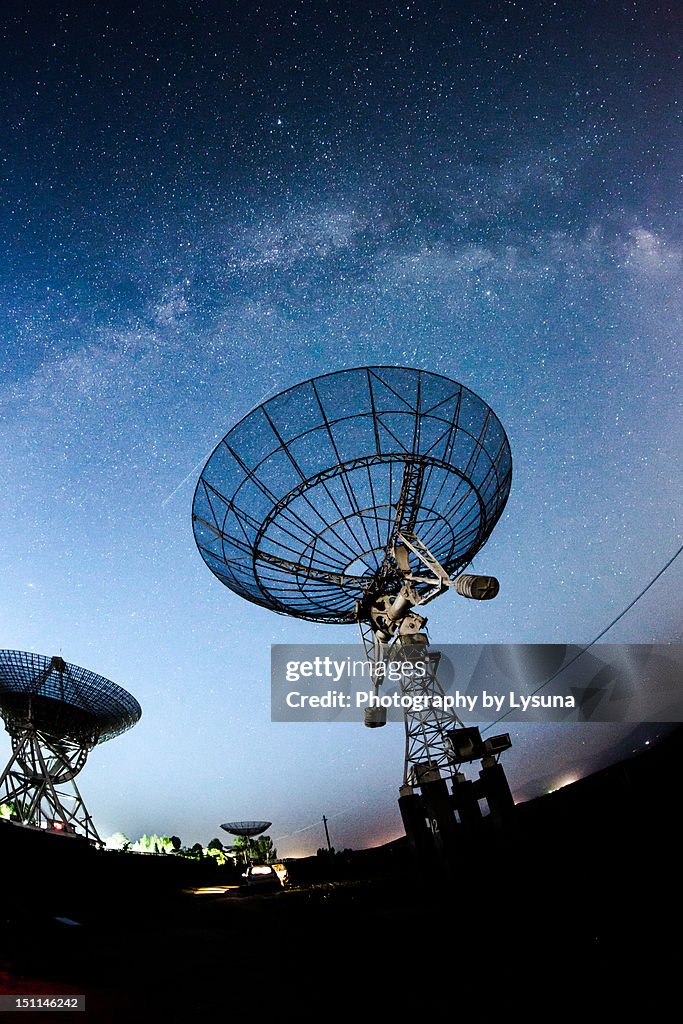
x: 577, y: 907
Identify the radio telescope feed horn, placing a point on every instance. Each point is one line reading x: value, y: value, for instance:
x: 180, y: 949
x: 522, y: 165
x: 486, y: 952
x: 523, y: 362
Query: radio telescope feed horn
x: 479, y: 588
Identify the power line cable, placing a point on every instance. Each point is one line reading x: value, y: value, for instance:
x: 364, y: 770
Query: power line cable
x: 598, y: 637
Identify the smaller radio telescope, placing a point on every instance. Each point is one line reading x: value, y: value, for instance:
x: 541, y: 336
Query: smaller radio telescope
x: 248, y: 830
x: 55, y: 714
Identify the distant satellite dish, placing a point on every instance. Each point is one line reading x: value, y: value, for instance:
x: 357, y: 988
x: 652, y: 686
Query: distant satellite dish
x: 246, y: 828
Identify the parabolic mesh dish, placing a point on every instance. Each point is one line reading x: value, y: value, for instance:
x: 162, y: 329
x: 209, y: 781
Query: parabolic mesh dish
x: 298, y: 507
x: 246, y: 828
x: 62, y: 700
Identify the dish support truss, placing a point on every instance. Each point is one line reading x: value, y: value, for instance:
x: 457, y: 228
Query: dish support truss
x: 39, y: 783
x: 437, y: 743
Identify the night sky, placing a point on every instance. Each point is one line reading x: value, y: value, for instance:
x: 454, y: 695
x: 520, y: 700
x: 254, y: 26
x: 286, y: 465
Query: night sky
x: 204, y: 203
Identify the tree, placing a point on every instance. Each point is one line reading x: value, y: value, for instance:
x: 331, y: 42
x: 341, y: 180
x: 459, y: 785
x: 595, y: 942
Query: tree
x: 259, y: 850
x: 154, y: 844
x: 118, y: 841
x: 217, y: 852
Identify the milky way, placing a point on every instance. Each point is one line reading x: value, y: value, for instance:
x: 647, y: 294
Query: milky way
x: 204, y: 204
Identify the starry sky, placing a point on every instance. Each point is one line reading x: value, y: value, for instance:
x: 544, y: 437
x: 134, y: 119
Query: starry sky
x: 202, y: 204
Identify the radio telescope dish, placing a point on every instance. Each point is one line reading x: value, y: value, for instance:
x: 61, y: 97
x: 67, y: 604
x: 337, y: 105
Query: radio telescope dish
x: 55, y: 714
x: 359, y: 496
x: 300, y: 506
x: 246, y: 828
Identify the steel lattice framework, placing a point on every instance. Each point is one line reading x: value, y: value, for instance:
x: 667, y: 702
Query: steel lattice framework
x: 55, y: 714
x: 299, y: 505
x: 426, y: 729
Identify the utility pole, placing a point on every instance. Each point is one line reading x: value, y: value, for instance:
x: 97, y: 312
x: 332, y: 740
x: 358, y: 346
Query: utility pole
x: 327, y: 834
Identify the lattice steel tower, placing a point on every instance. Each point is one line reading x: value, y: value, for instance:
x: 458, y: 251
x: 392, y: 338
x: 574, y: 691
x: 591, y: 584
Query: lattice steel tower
x: 55, y: 714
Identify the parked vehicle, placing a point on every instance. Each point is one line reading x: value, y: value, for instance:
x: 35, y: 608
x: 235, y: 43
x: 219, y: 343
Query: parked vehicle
x: 261, y: 877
